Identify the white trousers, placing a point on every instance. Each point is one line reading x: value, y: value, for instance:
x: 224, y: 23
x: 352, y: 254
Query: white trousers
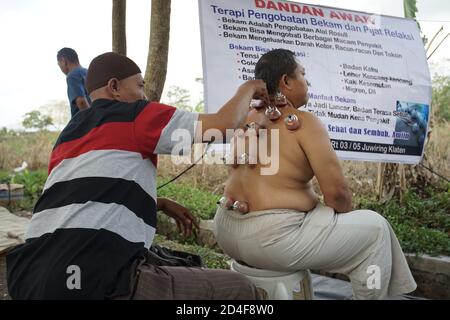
x: 360, y: 244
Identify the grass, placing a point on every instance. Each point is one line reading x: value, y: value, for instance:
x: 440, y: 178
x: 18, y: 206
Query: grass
x: 421, y: 221
x: 32, y: 147
x: 198, y: 200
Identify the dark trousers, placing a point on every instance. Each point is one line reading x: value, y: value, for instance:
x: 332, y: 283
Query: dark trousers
x: 150, y: 282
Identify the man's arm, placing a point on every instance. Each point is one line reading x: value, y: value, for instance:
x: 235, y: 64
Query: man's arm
x: 76, y: 92
x: 316, y: 144
x: 184, y: 219
x: 233, y: 114
x: 162, y: 129
x: 82, y: 103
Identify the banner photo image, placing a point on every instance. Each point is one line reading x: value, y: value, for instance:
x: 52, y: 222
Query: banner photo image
x: 369, y: 79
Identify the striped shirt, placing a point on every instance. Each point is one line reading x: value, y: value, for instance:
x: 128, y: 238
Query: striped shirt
x: 97, y: 212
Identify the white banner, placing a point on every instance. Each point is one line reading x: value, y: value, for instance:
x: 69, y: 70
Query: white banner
x: 370, y: 83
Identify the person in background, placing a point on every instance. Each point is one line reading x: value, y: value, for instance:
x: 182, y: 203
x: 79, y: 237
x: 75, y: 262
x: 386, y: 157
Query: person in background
x: 76, y: 77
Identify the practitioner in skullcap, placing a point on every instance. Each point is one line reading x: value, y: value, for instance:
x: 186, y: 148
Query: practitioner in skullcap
x: 95, y: 220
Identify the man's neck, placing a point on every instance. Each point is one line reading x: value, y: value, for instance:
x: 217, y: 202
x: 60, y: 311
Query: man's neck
x: 73, y: 66
x: 100, y: 94
x: 288, y: 109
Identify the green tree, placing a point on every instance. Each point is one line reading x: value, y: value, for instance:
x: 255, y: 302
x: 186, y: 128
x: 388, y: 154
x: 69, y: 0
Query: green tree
x: 181, y: 98
x: 410, y: 11
x: 441, y: 98
x: 58, y: 111
x: 199, y: 107
x: 178, y: 97
x: 36, y: 120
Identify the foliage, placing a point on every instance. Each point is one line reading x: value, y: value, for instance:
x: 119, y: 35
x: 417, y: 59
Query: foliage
x: 410, y: 10
x: 54, y: 113
x: 36, y: 120
x: 181, y: 98
x: 178, y: 97
x: 58, y: 111
x: 421, y: 222
x: 33, y: 182
x: 441, y: 98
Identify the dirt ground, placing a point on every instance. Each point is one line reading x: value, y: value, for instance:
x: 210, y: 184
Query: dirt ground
x: 3, y: 288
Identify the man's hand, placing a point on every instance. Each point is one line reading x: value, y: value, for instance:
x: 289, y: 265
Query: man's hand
x: 259, y: 89
x: 233, y: 114
x: 81, y: 103
x: 183, y: 217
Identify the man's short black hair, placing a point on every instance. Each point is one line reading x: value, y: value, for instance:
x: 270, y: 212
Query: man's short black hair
x: 69, y: 54
x: 272, y: 65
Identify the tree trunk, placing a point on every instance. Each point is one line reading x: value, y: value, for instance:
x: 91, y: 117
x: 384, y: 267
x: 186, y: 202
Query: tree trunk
x: 388, y: 181
x: 119, y: 38
x: 155, y: 74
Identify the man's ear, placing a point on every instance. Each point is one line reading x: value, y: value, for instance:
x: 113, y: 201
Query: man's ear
x: 284, y: 83
x: 114, y: 86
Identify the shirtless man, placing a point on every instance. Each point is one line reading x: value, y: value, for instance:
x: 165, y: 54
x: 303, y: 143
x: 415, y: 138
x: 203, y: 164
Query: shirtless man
x: 276, y: 222
x: 300, y: 158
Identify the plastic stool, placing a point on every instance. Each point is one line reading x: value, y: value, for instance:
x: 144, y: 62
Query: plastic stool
x: 278, y: 285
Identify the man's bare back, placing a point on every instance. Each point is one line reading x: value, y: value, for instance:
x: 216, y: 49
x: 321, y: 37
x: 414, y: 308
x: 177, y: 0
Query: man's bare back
x: 290, y: 187
x: 303, y: 153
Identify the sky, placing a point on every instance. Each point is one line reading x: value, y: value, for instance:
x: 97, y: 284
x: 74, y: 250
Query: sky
x: 32, y: 31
